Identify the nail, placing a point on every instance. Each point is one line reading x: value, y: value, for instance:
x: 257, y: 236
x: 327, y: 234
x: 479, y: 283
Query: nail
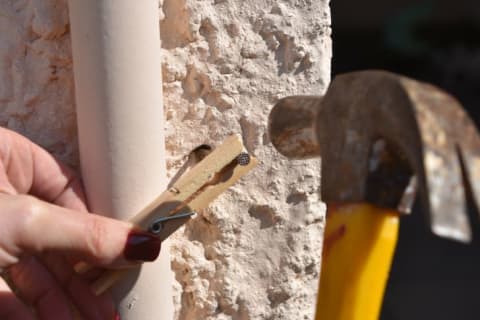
x: 117, y: 316
x: 141, y: 246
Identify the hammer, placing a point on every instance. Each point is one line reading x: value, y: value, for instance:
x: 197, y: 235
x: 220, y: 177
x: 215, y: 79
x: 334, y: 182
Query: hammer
x: 383, y: 139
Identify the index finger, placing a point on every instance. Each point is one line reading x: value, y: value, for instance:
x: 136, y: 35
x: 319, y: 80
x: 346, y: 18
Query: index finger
x: 35, y: 227
x: 31, y: 169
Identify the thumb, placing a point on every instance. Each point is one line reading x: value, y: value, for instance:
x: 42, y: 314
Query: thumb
x: 34, y: 226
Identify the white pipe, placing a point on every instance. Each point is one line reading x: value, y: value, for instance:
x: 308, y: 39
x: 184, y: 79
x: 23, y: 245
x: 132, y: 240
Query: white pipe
x: 117, y: 67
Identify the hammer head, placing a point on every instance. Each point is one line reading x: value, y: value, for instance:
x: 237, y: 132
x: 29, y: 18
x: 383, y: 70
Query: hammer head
x: 376, y: 132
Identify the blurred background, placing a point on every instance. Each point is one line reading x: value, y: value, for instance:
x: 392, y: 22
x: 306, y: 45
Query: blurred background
x: 436, y: 41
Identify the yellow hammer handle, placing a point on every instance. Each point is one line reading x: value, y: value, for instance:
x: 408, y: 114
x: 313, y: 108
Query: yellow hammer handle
x: 359, y: 243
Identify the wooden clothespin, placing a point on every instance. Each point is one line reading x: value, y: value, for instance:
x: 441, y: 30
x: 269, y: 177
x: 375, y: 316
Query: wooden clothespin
x: 193, y: 191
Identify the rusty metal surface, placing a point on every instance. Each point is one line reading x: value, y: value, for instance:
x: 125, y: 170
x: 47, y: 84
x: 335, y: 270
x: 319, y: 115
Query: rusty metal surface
x: 291, y: 127
x: 426, y: 128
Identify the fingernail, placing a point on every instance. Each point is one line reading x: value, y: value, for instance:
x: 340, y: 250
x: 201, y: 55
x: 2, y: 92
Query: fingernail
x: 141, y: 246
x: 117, y: 316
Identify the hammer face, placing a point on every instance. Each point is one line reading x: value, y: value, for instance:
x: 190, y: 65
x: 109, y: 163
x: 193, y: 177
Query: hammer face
x: 291, y: 127
x: 427, y: 135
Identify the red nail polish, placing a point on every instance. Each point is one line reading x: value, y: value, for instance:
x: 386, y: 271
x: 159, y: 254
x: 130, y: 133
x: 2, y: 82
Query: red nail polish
x: 141, y: 246
x: 117, y: 316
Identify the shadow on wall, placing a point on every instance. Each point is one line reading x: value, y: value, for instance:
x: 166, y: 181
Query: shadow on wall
x: 436, y: 41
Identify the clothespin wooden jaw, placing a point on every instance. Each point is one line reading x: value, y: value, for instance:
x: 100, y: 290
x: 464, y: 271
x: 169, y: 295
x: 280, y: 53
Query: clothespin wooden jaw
x: 192, y: 192
x: 199, y: 186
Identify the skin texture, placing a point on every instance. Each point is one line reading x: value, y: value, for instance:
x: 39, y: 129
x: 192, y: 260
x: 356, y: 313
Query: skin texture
x: 45, y: 229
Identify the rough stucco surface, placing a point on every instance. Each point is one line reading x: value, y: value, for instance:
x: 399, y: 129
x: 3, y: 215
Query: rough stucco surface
x: 255, y: 254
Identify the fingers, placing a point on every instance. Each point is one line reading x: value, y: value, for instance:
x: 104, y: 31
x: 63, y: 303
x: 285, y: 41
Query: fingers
x: 34, y: 226
x: 78, y: 289
x: 49, y: 284
x: 11, y: 308
x: 30, y: 169
x: 55, y: 182
x: 40, y: 290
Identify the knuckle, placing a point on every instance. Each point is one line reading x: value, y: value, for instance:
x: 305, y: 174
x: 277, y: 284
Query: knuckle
x: 29, y: 211
x: 26, y: 214
x: 26, y: 204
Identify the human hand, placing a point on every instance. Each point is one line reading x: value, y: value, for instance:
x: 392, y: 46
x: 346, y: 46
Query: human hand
x: 45, y: 228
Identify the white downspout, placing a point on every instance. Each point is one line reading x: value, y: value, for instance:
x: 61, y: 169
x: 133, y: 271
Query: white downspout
x: 117, y: 66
